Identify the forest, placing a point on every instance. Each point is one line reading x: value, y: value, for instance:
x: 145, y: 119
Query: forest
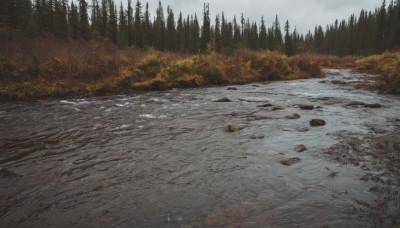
x: 79, y: 48
x: 371, y: 32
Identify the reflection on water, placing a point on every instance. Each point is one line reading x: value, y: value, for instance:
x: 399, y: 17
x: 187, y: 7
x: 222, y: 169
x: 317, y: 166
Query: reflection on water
x: 164, y: 160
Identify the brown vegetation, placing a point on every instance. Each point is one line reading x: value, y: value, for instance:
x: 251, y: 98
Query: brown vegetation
x: 387, y: 66
x: 46, y: 67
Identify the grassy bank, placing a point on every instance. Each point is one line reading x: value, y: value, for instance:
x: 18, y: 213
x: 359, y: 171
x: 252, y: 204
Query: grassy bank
x: 387, y: 66
x: 47, y: 67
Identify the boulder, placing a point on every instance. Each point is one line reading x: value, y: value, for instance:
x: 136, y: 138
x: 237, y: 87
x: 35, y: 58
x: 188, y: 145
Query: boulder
x: 257, y: 137
x: 8, y: 174
x: 306, y: 107
x: 300, y: 148
x: 338, y: 82
x: 355, y: 103
x: 303, y: 129
x: 373, y: 105
x: 317, y: 122
x: 233, y: 128
x: 224, y: 99
x: 265, y: 105
x: 293, y: 117
x: 276, y: 108
x: 290, y: 161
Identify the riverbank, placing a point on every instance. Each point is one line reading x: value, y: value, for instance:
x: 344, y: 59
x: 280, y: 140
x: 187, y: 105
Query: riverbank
x: 48, y: 67
x: 45, y: 66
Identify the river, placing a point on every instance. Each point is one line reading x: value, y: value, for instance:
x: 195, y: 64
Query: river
x: 164, y: 159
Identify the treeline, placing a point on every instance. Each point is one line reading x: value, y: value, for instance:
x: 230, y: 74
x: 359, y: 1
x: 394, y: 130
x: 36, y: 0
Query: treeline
x: 371, y: 32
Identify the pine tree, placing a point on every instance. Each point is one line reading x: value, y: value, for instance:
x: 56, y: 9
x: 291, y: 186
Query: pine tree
x: 122, y: 28
x: 95, y: 17
x: 74, y: 22
x: 194, y: 39
x: 217, y: 34
x: 130, y: 23
x: 7, y: 10
x: 206, y: 29
x: 84, y: 20
x: 236, y: 32
x: 170, y: 33
x: 138, y: 35
x: 263, y: 35
x: 288, y: 40
x: 180, y: 34
x: 277, y: 35
x: 112, y: 29
x: 147, y: 30
x: 103, y: 22
x: 159, y: 28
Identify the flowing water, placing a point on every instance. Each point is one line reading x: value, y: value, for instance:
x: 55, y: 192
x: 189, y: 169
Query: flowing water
x: 163, y: 159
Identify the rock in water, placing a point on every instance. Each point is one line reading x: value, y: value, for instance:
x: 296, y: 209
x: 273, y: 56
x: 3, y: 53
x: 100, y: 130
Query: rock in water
x: 300, y: 148
x: 317, y: 122
x: 293, y: 117
x: 265, y: 105
x: 276, y: 108
x: 224, y: 99
x: 233, y: 128
x: 373, y: 106
x: 355, y: 103
x: 232, y: 88
x: 8, y: 174
x: 306, y: 107
x: 290, y: 161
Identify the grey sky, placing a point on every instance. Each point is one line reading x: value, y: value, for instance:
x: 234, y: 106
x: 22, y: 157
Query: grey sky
x: 304, y: 14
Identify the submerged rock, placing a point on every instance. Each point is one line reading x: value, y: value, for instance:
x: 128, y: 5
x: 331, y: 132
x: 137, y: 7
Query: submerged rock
x: 290, y: 161
x: 355, y: 103
x: 303, y: 129
x: 373, y: 105
x: 265, y: 105
x: 317, y: 122
x: 224, y: 99
x: 232, y: 88
x: 276, y: 108
x: 300, y: 148
x: 8, y: 174
x: 257, y: 137
x: 306, y: 107
x: 293, y: 117
x: 233, y: 128
x: 338, y: 82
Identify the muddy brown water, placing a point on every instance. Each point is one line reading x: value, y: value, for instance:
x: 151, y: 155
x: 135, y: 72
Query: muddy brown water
x: 163, y: 159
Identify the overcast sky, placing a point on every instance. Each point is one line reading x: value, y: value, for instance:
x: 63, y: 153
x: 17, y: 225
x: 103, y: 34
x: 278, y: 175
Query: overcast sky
x: 304, y: 14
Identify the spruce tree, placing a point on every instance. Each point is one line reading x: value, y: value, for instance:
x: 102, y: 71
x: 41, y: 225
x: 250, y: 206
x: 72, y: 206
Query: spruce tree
x: 84, y: 20
x: 74, y: 22
x: 236, y: 32
x: 138, y: 34
x: 170, y: 33
x: 217, y: 34
x: 288, y: 40
x: 130, y: 23
x: 147, y: 30
x: 277, y: 35
x: 263, y: 35
x: 206, y: 29
x: 112, y: 29
x: 159, y: 28
x: 122, y: 28
x: 180, y: 34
